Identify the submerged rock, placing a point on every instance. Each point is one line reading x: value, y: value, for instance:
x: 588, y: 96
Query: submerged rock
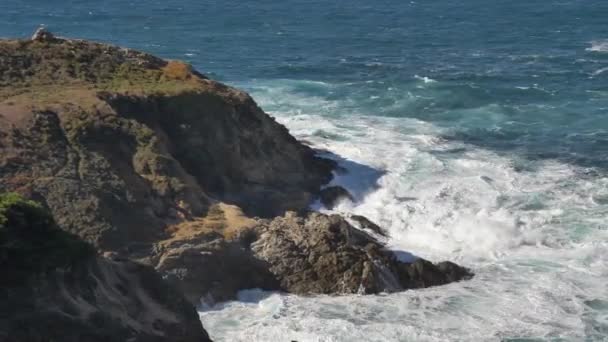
x: 55, y: 288
x: 333, y: 195
x: 366, y: 223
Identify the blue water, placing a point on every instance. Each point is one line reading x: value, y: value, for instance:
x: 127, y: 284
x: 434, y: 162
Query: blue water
x: 487, y: 120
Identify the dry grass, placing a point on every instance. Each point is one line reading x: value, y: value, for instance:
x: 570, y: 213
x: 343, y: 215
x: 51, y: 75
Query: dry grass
x: 225, y: 219
x: 177, y: 70
x: 39, y: 70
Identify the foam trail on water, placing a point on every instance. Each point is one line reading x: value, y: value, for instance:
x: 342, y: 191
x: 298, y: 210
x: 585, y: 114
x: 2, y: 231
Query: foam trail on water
x: 598, y: 46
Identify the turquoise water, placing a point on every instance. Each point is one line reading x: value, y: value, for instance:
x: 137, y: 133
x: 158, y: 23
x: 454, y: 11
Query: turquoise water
x: 483, y: 127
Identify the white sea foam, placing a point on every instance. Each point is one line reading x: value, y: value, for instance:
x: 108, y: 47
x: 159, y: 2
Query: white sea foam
x: 536, y: 238
x: 598, y: 46
x: 424, y: 79
x: 600, y: 71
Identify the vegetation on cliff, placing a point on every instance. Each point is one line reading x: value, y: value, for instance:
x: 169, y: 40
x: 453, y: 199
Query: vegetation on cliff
x: 31, y: 243
x: 51, y: 68
x: 54, y: 287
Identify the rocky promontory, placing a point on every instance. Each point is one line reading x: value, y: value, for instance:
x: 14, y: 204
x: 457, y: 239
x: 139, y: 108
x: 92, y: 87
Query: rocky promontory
x: 154, y: 164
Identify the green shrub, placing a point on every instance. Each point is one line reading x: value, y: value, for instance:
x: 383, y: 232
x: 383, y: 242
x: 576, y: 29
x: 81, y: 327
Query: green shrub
x: 31, y: 242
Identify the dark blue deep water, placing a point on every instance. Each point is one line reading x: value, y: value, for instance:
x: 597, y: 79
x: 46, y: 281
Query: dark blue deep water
x: 487, y: 119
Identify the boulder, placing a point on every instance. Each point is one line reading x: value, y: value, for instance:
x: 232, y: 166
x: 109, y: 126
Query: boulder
x: 366, y: 223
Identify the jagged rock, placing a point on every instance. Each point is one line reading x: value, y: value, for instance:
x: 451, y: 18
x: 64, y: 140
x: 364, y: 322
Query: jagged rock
x: 312, y: 254
x: 332, y: 195
x: 365, y: 223
x: 325, y: 254
x: 214, y: 271
x: 55, y: 288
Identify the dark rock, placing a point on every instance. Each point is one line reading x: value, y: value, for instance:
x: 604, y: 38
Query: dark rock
x: 332, y: 195
x: 365, y: 223
x: 423, y: 273
x: 214, y: 271
x: 453, y: 272
x: 55, y: 288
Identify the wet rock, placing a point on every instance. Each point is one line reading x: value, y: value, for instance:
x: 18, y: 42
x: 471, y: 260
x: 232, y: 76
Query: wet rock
x: 332, y: 195
x: 365, y: 223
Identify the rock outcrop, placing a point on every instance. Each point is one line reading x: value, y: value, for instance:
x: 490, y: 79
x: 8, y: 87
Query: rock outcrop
x: 304, y: 254
x: 325, y: 254
x: 56, y: 288
x: 149, y: 160
x: 332, y: 195
x: 365, y: 223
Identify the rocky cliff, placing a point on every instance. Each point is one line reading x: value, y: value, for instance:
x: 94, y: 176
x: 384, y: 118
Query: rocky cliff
x: 153, y: 162
x: 54, y: 287
x: 98, y: 131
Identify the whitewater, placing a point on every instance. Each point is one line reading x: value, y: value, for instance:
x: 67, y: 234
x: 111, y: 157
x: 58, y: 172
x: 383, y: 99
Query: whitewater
x: 534, y: 233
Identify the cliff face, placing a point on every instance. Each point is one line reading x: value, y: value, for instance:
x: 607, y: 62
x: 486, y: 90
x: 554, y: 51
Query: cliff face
x: 154, y: 162
x: 55, y: 288
x: 120, y: 144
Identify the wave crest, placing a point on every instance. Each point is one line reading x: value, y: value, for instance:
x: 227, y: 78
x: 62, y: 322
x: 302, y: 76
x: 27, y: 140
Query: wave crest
x: 598, y: 46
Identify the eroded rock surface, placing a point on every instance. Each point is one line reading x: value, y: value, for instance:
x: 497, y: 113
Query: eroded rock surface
x: 304, y: 254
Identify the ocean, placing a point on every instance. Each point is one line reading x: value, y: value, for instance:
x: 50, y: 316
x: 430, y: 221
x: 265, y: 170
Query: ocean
x: 474, y: 131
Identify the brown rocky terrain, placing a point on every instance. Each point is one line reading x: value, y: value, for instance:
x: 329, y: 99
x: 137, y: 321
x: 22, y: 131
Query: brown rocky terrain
x: 150, y: 161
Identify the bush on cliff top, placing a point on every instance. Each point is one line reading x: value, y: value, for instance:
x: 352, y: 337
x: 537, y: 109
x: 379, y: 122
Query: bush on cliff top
x: 30, y: 241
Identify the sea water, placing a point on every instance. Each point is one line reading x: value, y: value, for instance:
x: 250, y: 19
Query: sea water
x: 473, y: 131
